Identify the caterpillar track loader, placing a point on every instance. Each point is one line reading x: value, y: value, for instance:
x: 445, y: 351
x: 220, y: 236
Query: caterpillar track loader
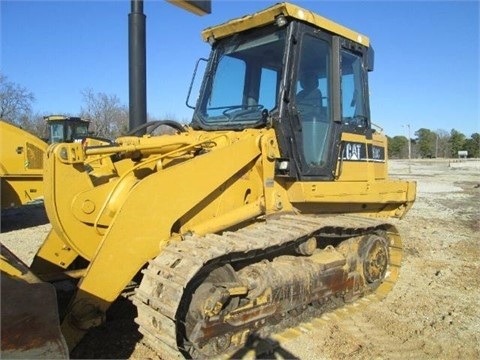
x: 274, y: 200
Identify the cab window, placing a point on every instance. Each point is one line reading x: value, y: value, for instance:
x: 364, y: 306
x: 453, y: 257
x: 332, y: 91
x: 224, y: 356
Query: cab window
x: 353, y: 99
x: 312, y: 104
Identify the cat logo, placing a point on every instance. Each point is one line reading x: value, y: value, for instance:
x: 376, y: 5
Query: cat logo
x: 353, y: 152
x: 363, y: 152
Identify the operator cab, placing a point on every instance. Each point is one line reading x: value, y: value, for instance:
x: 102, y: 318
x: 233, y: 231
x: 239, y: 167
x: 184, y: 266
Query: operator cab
x: 299, y: 73
x: 66, y: 129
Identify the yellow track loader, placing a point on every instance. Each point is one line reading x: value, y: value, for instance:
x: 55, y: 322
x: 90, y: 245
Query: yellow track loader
x: 275, y: 198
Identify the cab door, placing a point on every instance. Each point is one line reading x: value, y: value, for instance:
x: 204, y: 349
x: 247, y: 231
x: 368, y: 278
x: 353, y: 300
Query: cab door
x: 328, y: 107
x: 311, y: 105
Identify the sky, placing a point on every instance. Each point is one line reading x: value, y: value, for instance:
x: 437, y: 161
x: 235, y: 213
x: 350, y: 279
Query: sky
x: 426, y: 55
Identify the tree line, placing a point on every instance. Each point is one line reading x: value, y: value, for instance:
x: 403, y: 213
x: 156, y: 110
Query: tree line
x: 109, y: 119
x: 108, y: 116
x: 434, y: 144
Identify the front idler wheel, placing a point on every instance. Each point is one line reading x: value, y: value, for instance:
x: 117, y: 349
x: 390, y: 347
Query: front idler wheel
x: 210, y: 299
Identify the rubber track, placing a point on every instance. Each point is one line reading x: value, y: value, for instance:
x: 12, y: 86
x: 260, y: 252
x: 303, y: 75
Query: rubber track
x: 160, y: 292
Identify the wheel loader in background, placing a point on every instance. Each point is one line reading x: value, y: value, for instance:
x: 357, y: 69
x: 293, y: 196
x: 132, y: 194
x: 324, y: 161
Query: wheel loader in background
x: 269, y: 203
x: 21, y: 156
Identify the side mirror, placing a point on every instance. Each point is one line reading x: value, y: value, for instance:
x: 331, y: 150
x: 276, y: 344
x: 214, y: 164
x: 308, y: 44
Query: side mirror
x: 370, y: 58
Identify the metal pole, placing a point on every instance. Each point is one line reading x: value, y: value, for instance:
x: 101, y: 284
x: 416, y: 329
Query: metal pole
x: 409, y: 150
x: 137, y: 67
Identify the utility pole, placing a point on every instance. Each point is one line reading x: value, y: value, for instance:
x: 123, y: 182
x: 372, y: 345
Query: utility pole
x: 409, y: 148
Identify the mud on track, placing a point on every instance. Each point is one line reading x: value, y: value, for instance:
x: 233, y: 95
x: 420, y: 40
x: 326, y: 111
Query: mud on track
x: 431, y: 313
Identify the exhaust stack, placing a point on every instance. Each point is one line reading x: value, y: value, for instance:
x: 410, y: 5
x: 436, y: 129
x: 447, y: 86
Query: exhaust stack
x: 137, y: 66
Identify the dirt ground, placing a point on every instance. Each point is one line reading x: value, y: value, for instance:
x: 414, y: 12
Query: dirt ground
x: 431, y: 313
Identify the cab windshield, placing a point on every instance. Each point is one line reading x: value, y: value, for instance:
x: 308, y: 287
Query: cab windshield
x: 240, y: 87
x: 67, y: 131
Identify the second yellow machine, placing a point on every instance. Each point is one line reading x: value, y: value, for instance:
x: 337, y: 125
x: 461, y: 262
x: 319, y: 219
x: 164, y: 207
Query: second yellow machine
x: 269, y: 202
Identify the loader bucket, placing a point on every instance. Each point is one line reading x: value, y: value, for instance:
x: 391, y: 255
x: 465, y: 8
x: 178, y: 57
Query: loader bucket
x: 30, y: 324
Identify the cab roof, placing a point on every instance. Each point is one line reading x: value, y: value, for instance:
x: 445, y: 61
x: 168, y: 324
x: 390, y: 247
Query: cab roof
x: 288, y: 10
x: 53, y: 118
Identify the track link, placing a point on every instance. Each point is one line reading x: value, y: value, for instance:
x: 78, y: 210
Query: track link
x: 160, y: 294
